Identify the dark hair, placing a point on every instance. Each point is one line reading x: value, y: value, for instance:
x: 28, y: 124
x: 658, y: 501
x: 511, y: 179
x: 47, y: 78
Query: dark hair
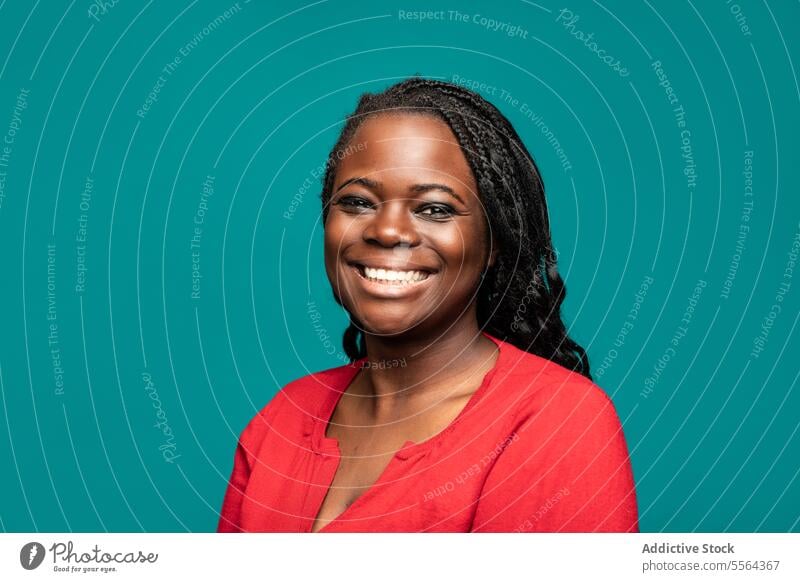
x: 519, y: 300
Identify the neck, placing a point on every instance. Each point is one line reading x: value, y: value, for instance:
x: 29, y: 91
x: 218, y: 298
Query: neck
x: 402, y: 373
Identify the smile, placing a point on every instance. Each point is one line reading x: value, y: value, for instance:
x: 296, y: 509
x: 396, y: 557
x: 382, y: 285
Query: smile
x: 392, y: 276
x: 390, y: 280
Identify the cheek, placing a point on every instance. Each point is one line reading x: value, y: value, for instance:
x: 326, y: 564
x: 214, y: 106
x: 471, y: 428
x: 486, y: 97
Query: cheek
x: 340, y: 233
x: 336, y: 234
x: 331, y: 248
x: 461, y: 245
x: 333, y: 245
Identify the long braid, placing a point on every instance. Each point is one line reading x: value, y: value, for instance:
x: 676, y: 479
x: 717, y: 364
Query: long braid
x: 511, y: 190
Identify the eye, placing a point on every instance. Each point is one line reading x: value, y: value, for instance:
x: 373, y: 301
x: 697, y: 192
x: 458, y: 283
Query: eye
x: 352, y: 203
x: 436, y: 211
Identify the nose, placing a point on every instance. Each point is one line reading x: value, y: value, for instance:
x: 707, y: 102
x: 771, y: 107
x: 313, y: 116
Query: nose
x: 391, y: 226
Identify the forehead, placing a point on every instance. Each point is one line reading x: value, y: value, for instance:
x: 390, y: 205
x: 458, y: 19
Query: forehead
x: 406, y: 144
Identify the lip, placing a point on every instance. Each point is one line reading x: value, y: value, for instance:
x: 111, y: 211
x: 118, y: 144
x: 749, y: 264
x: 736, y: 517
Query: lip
x: 390, y: 290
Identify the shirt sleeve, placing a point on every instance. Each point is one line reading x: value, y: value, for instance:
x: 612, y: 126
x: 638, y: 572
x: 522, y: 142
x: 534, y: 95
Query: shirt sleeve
x: 565, y: 468
x: 243, y: 461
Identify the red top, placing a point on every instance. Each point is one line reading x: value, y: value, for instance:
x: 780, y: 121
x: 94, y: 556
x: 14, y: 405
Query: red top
x: 536, y: 448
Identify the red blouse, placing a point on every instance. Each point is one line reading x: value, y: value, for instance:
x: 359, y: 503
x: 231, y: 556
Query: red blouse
x: 536, y: 448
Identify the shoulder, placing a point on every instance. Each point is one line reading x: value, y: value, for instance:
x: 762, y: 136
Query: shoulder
x: 563, y: 422
x: 545, y: 389
x: 300, y: 397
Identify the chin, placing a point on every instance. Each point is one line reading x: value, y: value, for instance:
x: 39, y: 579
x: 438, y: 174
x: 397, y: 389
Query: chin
x: 384, y: 323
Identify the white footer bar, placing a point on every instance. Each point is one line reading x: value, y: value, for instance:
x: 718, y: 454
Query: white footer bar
x: 389, y: 557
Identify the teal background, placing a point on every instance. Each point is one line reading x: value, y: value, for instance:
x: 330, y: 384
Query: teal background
x: 257, y: 104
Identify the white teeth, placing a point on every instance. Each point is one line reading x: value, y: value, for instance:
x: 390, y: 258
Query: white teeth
x: 392, y: 276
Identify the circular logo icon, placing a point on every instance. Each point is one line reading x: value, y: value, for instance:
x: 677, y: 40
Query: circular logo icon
x: 31, y: 555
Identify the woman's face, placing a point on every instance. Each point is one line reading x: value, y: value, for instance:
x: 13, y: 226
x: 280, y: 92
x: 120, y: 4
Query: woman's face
x: 406, y: 236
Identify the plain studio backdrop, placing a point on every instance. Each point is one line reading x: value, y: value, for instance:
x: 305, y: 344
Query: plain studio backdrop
x: 161, y: 263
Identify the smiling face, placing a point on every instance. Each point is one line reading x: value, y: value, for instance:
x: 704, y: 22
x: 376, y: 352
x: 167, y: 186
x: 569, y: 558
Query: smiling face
x: 406, y: 237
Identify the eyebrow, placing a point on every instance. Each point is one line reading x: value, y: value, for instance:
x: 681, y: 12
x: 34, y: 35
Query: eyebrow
x: 416, y: 188
x: 422, y: 188
x: 372, y: 184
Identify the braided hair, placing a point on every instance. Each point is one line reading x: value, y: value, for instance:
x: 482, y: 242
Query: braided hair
x: 520, y: 296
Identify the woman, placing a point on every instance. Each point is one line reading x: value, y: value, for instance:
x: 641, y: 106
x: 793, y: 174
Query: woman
x: 467, y: 407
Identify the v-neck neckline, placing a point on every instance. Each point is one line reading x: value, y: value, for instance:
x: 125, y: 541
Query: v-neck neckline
x: 329, y: 446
